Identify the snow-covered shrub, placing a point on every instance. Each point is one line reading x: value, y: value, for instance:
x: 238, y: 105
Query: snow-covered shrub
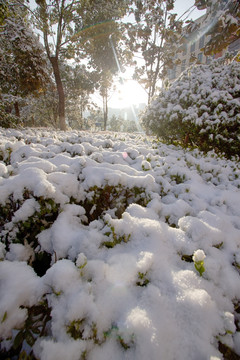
x: 21, y: 222
x: 100, y: 199
x: 98, y: 249
x: 202, y: 107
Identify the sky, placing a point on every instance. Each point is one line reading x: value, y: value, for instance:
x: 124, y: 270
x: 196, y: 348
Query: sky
x: 182, y: 5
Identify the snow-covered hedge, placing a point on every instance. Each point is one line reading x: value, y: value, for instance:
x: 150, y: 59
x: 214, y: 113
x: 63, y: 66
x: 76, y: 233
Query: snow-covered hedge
x: 116, y: 247
x: 202, y: 106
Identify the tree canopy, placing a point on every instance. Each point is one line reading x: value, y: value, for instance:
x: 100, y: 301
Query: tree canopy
x: 24, y: 67
x: 69, y: 29
x: 156, y: 38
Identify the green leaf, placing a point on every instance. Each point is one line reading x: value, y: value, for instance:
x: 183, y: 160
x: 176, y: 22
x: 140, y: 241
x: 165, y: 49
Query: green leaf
x: 4, y: 317
x: 199, y: 266
x: 218, y: 246
x: 29, y: 338
x: 36, y: 330
x: 18, y: 340
x: 108, y: 233
x: 187, y: 258
x: 23, y: 355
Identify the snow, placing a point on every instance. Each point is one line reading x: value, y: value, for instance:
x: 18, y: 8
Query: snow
x: 132, y: 218
x: 19, y: 287
x: 198, y: 255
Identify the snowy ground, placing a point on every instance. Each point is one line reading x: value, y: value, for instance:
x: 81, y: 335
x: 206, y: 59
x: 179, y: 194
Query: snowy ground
x: 120, y: 218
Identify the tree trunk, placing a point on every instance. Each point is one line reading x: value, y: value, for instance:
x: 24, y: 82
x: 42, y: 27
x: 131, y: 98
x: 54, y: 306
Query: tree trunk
x: 17, y: 111
x: 61, y: 95
x: 105, y: 111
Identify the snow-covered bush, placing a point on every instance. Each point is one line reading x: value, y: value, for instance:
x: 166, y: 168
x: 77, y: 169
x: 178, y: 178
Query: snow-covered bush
x: 202, y: 107
x: 102, y: 244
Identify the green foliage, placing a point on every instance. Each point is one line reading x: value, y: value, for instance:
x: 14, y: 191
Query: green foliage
x: 82, y: 30
x: 25, y: 232
x: 40, y: 220
x: 4, y: 317
x: 179, y: 179
x: 115, y: 123
x: 76, y: 330
x: 228, y: 353
x: 199, y: 266
x: 24, y: 69
x: 114, y: 238
x: 142, y: 279
x: 42, y: 110
x: 115, y: 332
x: 200, y: 109
x: 118, y: 197
x: 79, y: 84
x: 34, y: 327
x: 7, y: 119
x: 38, y: 316
x: 5, y: 155
x: 157, y: 36
x: 23, y: 64
x: 219, y: 245
x: 187, y: 258
x: 146, y: 166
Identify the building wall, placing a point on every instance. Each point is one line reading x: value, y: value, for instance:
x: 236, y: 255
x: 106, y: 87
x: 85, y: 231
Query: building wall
x: 193, y: 52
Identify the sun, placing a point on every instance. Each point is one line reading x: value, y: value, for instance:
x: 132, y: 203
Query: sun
x: 128, y: 92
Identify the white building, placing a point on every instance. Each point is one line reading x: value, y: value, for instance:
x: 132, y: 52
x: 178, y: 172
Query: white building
x: 193, y: 51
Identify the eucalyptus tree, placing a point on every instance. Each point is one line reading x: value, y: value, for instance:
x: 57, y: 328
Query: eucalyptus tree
x: 67, y: 26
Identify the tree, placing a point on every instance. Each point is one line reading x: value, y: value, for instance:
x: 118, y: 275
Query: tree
x: 64, y: 25
x: 157, y: 36
x: 79, y: 83
x: 222, y: 21
x: 201, y: 107
x: 43, y: 110
x: 24, y: 68
x: 129, y: 126
x: 104, y: 51
x: 101, y: 57
x: 115, y: 123
x: 95, y: 118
